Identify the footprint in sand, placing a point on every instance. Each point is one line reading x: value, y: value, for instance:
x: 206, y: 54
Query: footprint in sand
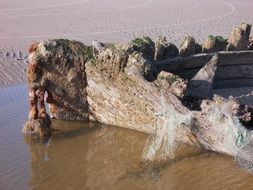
x: 19, y: 56
x: 7, y: 55
x: 14, y: 56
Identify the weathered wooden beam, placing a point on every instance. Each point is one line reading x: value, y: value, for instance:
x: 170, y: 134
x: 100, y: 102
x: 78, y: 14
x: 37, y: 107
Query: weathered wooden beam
x: 111, y: 87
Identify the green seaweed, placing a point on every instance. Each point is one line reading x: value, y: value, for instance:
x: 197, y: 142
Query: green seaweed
x: 140, y: 42
x: 221, y: 39
x: 74, y: 47
x: 170, y: 80
x: 161, y: 77
x: 87, y: 51
x: 173, y: 78
x: 146, y: 46
x: 218, y: 38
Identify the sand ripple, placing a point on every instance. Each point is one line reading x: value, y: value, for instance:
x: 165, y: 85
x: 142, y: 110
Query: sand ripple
x: 24, y: 22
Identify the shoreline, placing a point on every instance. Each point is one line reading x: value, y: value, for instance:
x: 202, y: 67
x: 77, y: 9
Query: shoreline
x: 13, y: 85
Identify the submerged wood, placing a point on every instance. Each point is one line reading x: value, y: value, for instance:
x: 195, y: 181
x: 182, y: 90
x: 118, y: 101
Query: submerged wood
x: 115, y: 86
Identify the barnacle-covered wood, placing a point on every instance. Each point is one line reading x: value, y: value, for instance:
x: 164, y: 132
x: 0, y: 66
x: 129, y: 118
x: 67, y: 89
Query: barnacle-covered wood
x: 122, y: 85
x: 60, y: 70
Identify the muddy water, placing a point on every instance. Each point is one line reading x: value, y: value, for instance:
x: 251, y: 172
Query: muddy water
x: 78, y: 157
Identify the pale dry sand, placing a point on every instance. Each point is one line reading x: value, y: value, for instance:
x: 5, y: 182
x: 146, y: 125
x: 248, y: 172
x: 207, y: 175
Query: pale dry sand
x: 24, y: 21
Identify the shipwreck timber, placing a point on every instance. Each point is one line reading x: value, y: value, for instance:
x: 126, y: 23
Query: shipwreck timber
x: 122, y: 85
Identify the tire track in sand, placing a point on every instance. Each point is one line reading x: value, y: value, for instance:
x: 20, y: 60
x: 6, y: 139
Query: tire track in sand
x: 171, y: 25
x: 67, y: 4
x: 219, y: 16
x: 72, y: 34
x: 175, y: 25
x: 47, y: 7
x: 232, y: 7
x: 134, y: 6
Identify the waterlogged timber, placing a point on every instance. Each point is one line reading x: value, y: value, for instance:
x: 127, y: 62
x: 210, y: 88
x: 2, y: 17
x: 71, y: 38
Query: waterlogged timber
x: 124, y: 85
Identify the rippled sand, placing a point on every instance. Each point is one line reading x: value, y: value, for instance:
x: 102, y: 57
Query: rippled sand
x: 23, y: 22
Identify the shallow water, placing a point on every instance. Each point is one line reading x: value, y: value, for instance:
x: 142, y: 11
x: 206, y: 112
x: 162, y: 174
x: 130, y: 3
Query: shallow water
x: 103, y: 157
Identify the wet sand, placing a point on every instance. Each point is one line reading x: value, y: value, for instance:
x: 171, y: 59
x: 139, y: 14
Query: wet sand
x: 24, y: 22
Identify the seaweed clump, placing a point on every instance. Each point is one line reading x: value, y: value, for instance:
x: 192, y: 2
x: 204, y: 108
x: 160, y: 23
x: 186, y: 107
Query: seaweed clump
x: 214, y: 44
x: 146, y: 46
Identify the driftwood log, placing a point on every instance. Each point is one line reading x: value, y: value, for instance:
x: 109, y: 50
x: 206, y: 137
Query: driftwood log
x: 120, y: 85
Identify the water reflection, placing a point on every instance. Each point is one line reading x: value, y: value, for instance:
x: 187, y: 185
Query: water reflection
x: 80, y: 157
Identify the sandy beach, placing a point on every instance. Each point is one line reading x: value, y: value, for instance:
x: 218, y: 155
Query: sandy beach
x: 106, y: 157
x: 24, y: 22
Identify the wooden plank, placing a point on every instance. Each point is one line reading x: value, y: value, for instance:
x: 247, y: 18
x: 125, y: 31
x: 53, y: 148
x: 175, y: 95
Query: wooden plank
x: 199, y: 60
x: 233, y: 83
x: 236, y: 58
x: 234, y: 71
